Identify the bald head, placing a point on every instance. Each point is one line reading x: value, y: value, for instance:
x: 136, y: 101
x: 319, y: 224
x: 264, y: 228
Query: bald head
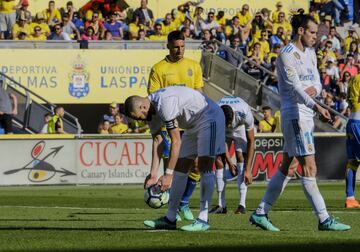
x: 137, y: 107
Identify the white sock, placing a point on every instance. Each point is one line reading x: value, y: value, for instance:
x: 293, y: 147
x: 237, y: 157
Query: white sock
x: 275, y: 188
x: 313, y: 194
x: 220, y: 184
x: 207, y: 184
x: 241, y: 183
x: 177, y: 190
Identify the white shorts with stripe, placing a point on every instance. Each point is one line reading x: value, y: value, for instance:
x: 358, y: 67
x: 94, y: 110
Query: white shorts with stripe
x: 208, y: 136
x: 238, y: 137
x: 298, y: 137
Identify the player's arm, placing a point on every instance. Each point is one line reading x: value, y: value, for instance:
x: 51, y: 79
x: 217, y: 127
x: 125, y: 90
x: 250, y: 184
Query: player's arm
x: 154, y: 81
x: 174, y: 133
x: 250, y: 148
x: 157, y: 149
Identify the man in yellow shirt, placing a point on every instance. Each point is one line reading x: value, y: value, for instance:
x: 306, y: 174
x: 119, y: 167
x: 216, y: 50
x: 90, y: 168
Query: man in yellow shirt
x: 171, y: 71
x: 21, y: 27
x: 52, y: 15
x: 157, y: 36
x: 37, y: 34
x: 7, y: 17
x: 40, y: 21
x: 283, y: 23
x: 168, y: 25
x: 275, y: 14
x: 267, y: 125
x: 245, y: 19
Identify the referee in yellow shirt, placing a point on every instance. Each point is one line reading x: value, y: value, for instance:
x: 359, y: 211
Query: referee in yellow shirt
x: 175, y: 70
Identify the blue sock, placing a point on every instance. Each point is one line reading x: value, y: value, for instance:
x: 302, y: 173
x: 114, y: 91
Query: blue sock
x: 190, y: 187
x: 350, y: 182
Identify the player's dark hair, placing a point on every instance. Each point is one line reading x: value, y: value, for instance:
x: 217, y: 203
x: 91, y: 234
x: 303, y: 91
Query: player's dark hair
x: 175, y: 35
x: 301, y: 20
x: 266, y: 108
x: 228, y: 113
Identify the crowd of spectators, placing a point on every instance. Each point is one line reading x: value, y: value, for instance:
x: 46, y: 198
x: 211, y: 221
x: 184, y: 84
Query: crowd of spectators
x: 259, y: 36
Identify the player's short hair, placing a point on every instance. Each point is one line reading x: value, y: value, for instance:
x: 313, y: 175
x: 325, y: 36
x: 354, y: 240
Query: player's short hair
x: 301, y: 20
x: 175, y: 35
x: 130, y: 104
x: 228, y: 113
x: 266, y: 108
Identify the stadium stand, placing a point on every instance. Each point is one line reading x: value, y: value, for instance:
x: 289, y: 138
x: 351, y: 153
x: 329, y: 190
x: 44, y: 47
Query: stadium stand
x: 253, y: 76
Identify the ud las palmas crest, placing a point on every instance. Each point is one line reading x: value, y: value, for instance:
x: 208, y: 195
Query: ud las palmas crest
x: 79, y: 79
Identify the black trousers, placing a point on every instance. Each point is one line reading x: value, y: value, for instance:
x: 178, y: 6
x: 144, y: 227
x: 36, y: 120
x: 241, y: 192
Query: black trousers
x: 6, y: 123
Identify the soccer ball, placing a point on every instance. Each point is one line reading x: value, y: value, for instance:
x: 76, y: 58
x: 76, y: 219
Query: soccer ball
x: 154, y: 197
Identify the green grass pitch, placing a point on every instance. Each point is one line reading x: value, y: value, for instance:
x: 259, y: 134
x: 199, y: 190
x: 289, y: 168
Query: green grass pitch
x: 109, y: 218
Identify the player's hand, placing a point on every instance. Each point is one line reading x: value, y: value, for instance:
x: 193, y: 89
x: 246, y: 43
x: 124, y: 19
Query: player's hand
x: 149, y: 181
x: 311, y: 91
x: 165, y: 182
x: 324, y: 112
x: 248, y: 177
x: 232, y: 169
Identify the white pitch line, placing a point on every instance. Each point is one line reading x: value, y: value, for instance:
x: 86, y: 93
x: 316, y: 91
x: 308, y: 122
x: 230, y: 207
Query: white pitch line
x: 143, y: 209
x: 71, y: 208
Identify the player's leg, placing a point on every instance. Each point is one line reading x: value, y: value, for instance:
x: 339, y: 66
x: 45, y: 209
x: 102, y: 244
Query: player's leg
x: 210, y: 143
x: 240, y: 144
x: 350, y: 178
x: 188, y: 152
x: 177, y: 190
x: 220, y: 185
x: 192, y: 180
x: 353, y: 154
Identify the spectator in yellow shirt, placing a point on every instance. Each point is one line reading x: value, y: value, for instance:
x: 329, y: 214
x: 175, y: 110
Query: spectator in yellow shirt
x: 21, y: 27
x: 283, y: 23
x: 245, y: 22
x: 352, y: 37
x: 120, y: 127
x: 40, y: 21
x: 7, y: 17
x: 157, y: 33
x: 168, y: 25
x: 264, y: 44
x: 267, y: 125
x: 275, y: 14
x: 37, y: 34
x: 52, y: 15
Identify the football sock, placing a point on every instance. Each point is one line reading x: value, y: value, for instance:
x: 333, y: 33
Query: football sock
x: 220, y: 184
x: 275, y: 188
x: 314, y: 196
x: 241, y: 183
x: 350, y: 183
x: 190, y: 187
x: 176, y: 192
x: 207, y: 184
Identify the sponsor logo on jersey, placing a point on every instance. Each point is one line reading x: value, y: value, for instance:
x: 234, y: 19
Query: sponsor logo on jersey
x: 289, y: 72
x: 190, y: 72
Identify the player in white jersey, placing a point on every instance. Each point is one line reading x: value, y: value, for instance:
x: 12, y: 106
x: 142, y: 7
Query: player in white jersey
x: 298, y: 82
x: 239, y: 123
x: 204, y: 137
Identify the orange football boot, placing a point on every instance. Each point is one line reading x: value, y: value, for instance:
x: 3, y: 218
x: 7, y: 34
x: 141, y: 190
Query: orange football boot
x: 352, y: 203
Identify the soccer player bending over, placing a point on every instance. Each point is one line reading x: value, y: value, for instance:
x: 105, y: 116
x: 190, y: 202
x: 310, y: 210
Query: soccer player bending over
x: 204, y: 137
x: 240, y: 130
x: 353, y: 142
x: 299, y: 82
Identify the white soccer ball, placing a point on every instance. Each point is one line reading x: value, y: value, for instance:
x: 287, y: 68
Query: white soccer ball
x: 154, y: 197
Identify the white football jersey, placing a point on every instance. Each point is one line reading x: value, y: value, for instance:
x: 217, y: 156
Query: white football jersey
x: 297, y: 70
x: 242, y: 112
x: 185, y: 105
